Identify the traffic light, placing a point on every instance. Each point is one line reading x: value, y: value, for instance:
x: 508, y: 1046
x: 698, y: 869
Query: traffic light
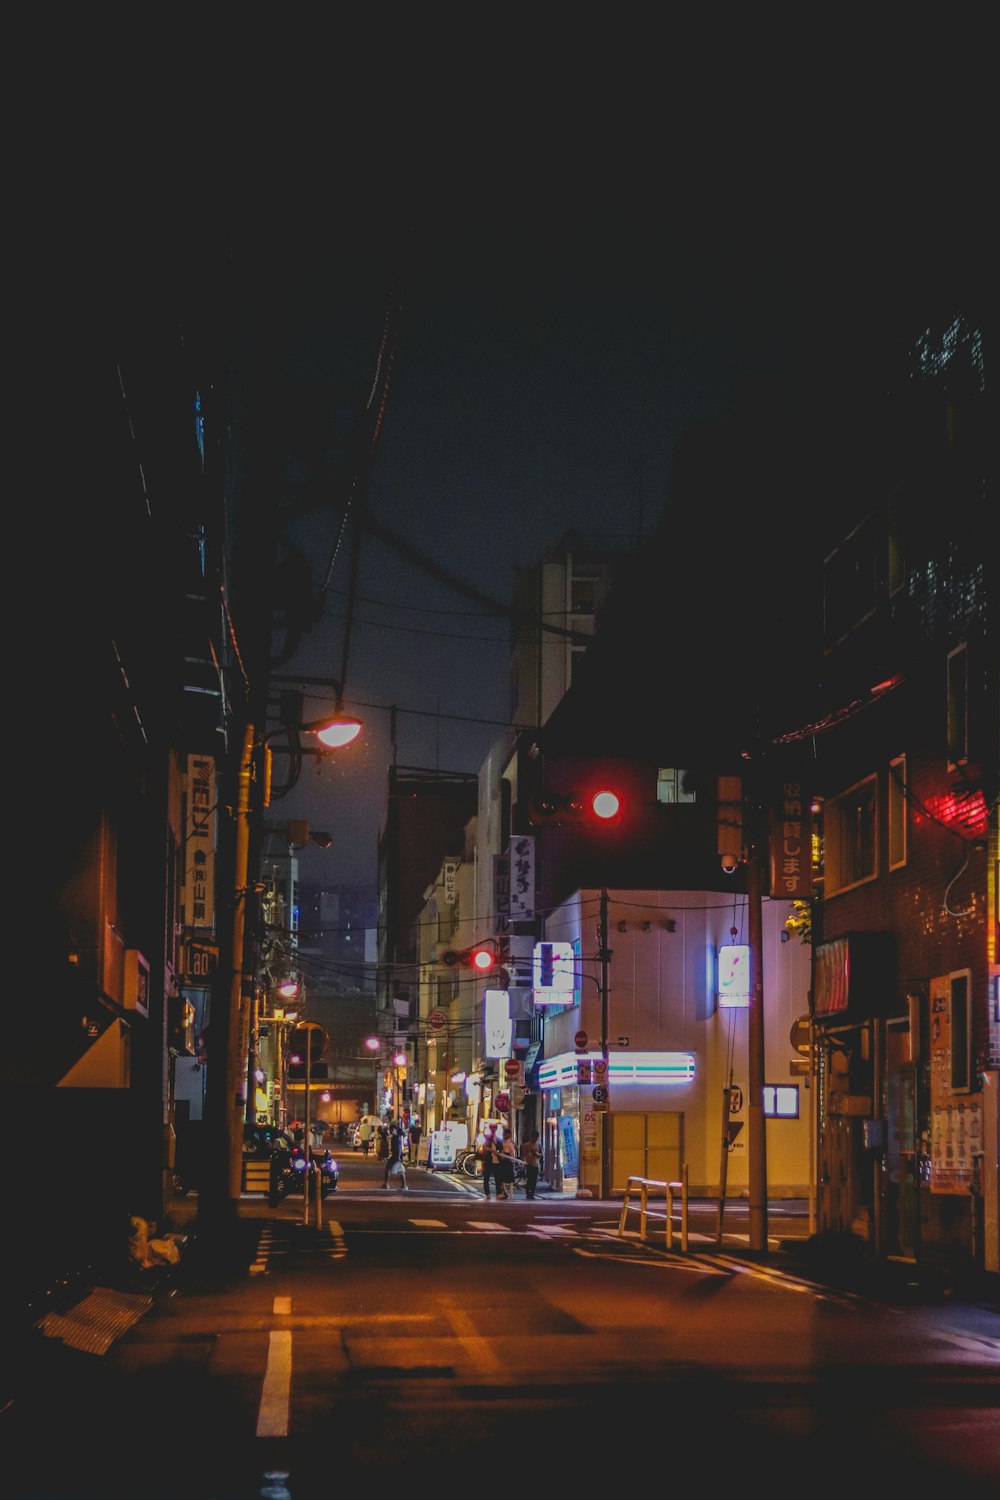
x: 594, y: 806
x: 482, y: 958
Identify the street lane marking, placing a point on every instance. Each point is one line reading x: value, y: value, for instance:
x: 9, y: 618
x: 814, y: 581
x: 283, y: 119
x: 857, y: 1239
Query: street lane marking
x: 336, y: 1230
x: 479, y: 1349
x: 272, y: 1414
x: 489, y: 1224
x: 429, y: 1223
x: 282, y: 1306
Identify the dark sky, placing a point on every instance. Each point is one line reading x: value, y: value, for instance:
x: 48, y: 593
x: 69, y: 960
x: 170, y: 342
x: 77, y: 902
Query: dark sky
x: 599, y: 229
x: 564, y: 312
x: 545, y: 369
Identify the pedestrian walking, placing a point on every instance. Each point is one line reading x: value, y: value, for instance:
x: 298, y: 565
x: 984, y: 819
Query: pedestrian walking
x: 365, y: 1136
x: 505, y: 1168
x: 490, y: 1154
x: 382, y: 1143
x: 394, y: 1167
x: 531, y: 1155
x: 415, y: 1134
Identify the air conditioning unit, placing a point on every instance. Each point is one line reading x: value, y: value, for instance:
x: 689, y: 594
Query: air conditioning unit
x: 136, y: 995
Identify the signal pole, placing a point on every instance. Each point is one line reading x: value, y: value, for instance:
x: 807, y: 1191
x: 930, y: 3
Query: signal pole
x: 756, y: 1123
x: 604, y: 954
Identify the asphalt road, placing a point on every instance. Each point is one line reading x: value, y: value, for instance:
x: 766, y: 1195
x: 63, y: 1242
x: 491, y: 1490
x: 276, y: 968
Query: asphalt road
x: 435, y: 1340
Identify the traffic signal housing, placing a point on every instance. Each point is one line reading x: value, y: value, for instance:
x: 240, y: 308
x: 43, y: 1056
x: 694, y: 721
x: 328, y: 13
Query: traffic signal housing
x: 482, y: 957
x: 594, y: 806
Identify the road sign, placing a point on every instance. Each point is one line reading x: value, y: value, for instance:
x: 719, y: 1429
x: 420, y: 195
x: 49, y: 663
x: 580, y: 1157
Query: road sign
x: 799, y: 1035
x: 503, y: 1102
x: 437, y: 1019
x: 600, y: 1097
x: 581, y: 1040
x: 584, y: 1071
x: 600, y: 1070
x: 514, y: 1070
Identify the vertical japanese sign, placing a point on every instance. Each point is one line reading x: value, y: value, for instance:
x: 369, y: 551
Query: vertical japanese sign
x: 956, y: 1117
x: 501, y: 893
x: 450, y: 881
x: 791, y: 845
x: 522, y: 877
x: 199, y: 873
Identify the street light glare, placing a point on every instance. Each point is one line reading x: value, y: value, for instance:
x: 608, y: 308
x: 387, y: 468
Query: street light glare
x: 337, y: 732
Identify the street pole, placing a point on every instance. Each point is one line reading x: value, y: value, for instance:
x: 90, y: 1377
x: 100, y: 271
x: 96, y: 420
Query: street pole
x: 306, y: 1138
x: 756, y: 1124
x: 239, y: 1013
x: 604, y: 955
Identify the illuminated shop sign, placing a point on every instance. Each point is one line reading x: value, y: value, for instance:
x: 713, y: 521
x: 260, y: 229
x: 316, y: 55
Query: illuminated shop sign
x: 623, y: 1067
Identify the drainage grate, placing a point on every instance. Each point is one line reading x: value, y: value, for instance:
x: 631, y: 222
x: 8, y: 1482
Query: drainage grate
x: 94, y: 1324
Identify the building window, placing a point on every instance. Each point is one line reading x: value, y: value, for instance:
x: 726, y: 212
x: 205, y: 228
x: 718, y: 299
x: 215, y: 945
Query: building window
x: 850, y: 583
x: 849, y: 829
x: 671, y: 786
x: 896, y: 554
x: 897, y: 812
x: 584, y: 594
x: 959, y: 986
x: 958, y: 706
x: 781, y: 1100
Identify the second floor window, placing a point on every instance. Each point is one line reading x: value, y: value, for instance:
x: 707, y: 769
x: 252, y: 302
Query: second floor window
x: 670, y: 786
x: 897, y: 812
x: 958, y: 706
x: 849, y: 837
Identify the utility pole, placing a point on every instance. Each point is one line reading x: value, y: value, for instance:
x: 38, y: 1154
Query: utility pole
x: 756, y: 1124
x: 604, y: 954
x: 224, y: 1107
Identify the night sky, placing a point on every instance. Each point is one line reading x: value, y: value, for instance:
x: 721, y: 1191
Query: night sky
x: 595, y: 231
x: 561, y: 320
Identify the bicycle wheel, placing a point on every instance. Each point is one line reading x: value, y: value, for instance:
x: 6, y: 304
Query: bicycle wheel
x: 471, y: 1165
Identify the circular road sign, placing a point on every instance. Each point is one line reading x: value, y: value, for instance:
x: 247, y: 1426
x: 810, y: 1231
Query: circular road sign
x: 581, y: 1040
x: 503, y: 1103
x: 600, y: 1094
x: 436, y: 1020
x: 512, y: 1067
x: 799, y: 1035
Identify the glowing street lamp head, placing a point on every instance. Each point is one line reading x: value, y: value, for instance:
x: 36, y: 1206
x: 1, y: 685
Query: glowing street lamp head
x: 400, y: 1059
x: 372, y: 1043
x: 337, y: 731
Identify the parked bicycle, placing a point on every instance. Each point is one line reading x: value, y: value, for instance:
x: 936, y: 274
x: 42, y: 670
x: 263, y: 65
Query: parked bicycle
x: 472, y: 1166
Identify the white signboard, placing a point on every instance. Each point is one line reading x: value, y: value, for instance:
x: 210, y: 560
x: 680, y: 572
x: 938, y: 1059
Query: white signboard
x: 522, y: 877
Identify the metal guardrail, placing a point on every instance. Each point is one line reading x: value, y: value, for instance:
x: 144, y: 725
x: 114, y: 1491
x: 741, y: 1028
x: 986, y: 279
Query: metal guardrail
x: 672, y: 1190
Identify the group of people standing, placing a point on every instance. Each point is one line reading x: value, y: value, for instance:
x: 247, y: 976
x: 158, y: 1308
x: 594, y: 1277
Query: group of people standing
x: 396, y: 1143
x: 498, y: 1159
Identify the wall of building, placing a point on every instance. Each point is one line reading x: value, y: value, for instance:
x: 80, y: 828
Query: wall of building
x: 662, y: 998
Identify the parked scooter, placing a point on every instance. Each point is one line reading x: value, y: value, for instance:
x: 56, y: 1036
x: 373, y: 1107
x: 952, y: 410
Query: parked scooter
x: 301, y: 1165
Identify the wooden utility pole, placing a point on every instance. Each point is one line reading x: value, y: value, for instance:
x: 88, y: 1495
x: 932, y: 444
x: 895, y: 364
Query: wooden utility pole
x: 604, y: 954
x: 756, y: 1124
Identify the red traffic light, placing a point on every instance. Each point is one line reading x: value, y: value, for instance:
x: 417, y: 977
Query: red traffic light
x: 564, y: 809
x: 606, y: 804
x: 482, y: 958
